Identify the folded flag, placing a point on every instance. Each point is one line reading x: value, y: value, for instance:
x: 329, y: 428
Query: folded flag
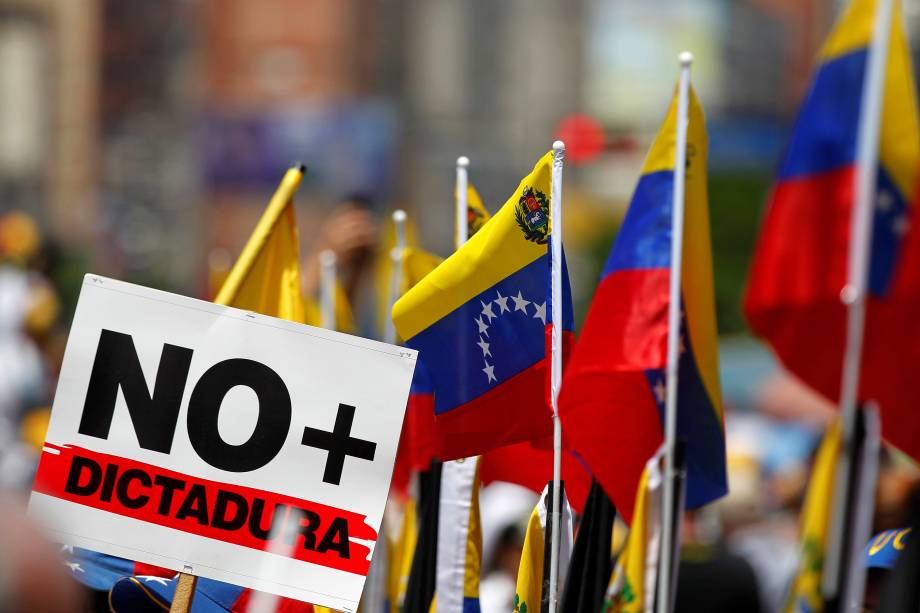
x: 613, y: 393
x: 479, y: 321
x: 459, y: 539
x: 634, y: 578
x: 533, y: 572
x: 100, y: 571
x: 805, y: 592
x: 143, y: 594
x: 793, y: 298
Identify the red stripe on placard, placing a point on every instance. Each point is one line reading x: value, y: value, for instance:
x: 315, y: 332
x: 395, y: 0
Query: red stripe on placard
x: 267, y: 521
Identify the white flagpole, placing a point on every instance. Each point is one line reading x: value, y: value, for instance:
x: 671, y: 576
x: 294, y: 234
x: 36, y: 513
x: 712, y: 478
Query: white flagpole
x: 556, y: 362
x: 396, y: 276
x: 854, y: 293
x: 665, y: 579
x: 327, y: 274
x: 462, y: 225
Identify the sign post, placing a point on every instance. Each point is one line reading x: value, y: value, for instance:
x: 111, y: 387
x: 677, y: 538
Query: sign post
x: 222, y: 443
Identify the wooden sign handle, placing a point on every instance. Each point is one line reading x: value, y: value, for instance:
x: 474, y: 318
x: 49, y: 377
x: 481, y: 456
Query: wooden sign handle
x: 185, y: 592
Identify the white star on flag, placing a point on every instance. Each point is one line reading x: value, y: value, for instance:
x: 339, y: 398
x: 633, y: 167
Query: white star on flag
x: 502, y: 302
x: 483, y: 326
x: 485, y: 347
x: 519, y: 303
x: 487, y: 310
x: 900, y: 225
x: 74, y: 567
x: 541, y: 312
x: 66, y: 548
x: 153, y: 579
x: 490, y: 372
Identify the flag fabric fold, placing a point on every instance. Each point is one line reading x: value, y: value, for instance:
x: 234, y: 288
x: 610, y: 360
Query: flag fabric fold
x: 793, y: 298
x: 613, y: 393
x: 479, y: 321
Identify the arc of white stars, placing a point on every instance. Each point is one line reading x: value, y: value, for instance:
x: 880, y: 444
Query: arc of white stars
x: 483, y: 326
x: 485, y: 348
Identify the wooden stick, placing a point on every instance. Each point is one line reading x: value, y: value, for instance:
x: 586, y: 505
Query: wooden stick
x: 185, y: 592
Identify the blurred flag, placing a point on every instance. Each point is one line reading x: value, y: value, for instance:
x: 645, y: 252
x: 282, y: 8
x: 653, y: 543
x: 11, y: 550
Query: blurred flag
x: 476, y: 213
x: 401, y: 558
x: 613, y: 394
x: 151, y: 594
x: 527, y: 465
x: 533, y: 572
x: 793, y: 297
x: 634, y: 579
x: 420, y: 585
x: 459, y: 539
x: 266, y: 277
x: 479, y: 321
x: 100, y: 571
x: 591, y: 564
x: 805, y: 592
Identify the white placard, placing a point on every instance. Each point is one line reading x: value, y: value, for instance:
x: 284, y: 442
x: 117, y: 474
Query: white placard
x: 231, y: 445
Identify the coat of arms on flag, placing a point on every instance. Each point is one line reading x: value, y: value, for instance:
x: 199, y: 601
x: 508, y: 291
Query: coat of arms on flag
x: 532, y: 215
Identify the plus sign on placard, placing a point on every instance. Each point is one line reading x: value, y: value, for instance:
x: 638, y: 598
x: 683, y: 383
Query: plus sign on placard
x: 339, y: 444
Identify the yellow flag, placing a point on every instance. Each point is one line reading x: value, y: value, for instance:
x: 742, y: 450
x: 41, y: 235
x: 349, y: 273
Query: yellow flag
x: 266, y: 277
x: 401, y: 560
x: 632, y: 583
x: 529, y: 589
x: 476, y: 214
x: 805, y: 592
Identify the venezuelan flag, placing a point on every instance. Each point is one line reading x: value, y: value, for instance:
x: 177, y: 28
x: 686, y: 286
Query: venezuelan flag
x: 805, y: 592
x: 613, y: 393
x: 800, y: 264
x: 480, y: 320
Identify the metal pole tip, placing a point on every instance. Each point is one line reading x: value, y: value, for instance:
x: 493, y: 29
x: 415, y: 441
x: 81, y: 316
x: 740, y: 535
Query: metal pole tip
x: 686, y: 58
x: 558, y: 146
x: 327, y: 257
x: 399, y: 216
x: 463, y: 161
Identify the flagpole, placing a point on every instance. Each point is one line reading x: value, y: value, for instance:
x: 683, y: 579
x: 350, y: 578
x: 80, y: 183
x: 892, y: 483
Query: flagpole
x: 327, y: 274
x: 396, y: 276
x: 555, y: 239
x: 853, y: 294
x: 669, y: 525
x: 463, y: 181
